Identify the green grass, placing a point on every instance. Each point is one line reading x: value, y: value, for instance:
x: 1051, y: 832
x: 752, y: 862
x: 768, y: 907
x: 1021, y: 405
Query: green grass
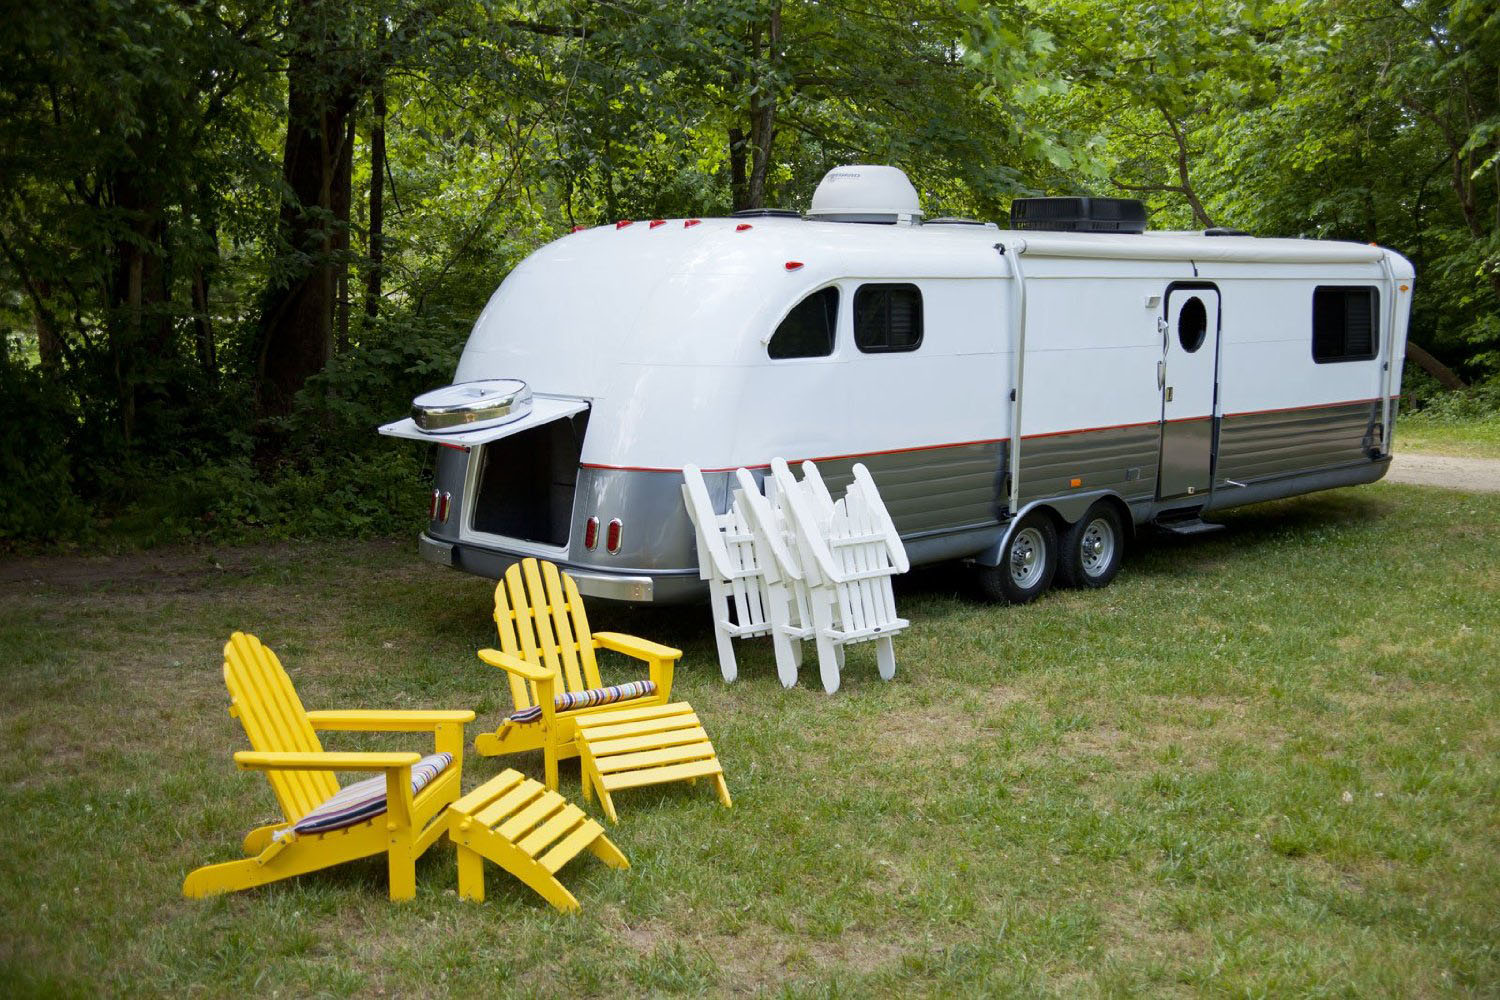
x: 1467, y: 437
x: 1265, y: 762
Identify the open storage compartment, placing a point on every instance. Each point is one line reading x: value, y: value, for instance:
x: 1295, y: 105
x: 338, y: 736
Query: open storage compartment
x: 527, y: 481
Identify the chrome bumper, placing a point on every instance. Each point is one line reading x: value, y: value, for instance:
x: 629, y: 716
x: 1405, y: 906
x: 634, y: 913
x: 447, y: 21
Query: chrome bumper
x: 669, y: 588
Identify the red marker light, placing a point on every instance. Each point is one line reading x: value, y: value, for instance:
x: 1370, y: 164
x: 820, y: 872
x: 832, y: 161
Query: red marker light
x: 591, y: 533
x: 578, y: 229
x: 794, y: 265
x: 622, y: 223
x: 657, y: 222
x: 742, y: 227
x: 612, y: 536
x: 690, y: 223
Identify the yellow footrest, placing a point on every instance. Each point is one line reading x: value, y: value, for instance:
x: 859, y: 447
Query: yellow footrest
x: 635, y: 747
x: 516, y: 823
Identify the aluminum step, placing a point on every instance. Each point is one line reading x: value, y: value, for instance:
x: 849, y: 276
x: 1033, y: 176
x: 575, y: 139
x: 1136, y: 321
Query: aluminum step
x: 1188, y: 526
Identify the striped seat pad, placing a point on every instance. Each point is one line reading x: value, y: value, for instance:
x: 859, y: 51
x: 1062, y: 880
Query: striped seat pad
x: 364, y: 799
x: 587, y: 699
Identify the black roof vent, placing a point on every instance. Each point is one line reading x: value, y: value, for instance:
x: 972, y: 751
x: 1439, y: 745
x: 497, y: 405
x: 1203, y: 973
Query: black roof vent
x: 1079, y: 215
x: 766, y: 213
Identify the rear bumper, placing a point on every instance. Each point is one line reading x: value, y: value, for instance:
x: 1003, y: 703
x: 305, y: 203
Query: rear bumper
x: 676, y: 587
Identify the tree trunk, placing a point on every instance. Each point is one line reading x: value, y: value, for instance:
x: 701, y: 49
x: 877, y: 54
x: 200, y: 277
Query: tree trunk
x: 737, y: 182
x: 296, y: 325
x: 763, y: 117
x: 343, y: 200
x: 373, y: 276
x: 203, y: 328
x: 1432, y: 366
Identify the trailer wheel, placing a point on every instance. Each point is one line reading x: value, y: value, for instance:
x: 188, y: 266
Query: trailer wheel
x: 1093, y: 549
x: 1027, y: 565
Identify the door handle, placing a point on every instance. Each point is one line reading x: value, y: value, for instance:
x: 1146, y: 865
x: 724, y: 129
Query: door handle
x: 1161, y: 374
x: 1169, y: 393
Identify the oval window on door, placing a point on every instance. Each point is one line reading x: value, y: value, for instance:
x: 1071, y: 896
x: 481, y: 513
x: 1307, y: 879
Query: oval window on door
x: 1192, y: 324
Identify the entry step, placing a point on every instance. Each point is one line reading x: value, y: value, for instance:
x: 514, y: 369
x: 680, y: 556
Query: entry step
x: 1191, y: 525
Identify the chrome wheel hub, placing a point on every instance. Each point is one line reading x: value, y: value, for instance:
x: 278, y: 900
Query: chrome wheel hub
x: 1097, y: 548
x: 1028, y: 558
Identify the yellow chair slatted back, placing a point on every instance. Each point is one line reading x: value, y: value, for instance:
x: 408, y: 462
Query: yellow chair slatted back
x: 268, y: 707
x: 540, y: 618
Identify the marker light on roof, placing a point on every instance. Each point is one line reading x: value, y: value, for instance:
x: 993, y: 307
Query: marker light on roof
x: 622, y: 223
x: 794, y: 265
x: 578, y: 229
x: 657, y: 222
x: 690, y: 223
x: 742, y: 227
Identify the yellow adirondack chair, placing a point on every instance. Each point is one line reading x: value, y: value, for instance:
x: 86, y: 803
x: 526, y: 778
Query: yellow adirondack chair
x: 547, y: 649
x: 399, y: 814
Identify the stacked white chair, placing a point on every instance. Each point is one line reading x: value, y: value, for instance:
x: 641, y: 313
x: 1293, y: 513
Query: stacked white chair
x: 849, y: 550
x: 747, y: 586
x: 795, y: 564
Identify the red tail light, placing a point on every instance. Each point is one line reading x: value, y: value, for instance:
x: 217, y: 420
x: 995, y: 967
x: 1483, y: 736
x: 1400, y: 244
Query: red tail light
x: 443, y: 505
x: 432, y: 505
x: 591, y: 533
x: 612, y: 536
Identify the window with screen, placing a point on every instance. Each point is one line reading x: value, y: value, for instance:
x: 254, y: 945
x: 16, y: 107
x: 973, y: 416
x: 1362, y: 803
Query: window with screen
x: 807, y: 331
x: 887, y: 318
x: 1345, y: 324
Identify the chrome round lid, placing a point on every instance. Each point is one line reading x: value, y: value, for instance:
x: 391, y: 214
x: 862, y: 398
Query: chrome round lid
x: 470, y: 406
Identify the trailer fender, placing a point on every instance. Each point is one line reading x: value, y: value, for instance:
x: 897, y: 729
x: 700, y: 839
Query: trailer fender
x: 1066, y: 509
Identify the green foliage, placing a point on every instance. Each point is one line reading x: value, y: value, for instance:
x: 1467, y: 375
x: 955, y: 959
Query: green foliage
x: 149, y: 220
x: 37, y: 501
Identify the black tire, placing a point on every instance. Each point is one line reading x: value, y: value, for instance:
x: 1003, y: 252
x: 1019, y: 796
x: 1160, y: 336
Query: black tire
x: 1027, y: 565
x: 1092, y: 550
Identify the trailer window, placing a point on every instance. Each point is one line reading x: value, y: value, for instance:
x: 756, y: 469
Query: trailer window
x: 1345, y: 327
x: 807, y: 331
x: 887, y: 318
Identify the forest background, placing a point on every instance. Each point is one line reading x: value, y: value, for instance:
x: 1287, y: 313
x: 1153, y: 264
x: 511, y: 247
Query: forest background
x: 236, y: 236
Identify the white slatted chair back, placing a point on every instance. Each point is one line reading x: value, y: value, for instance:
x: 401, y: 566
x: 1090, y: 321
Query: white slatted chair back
x: 728, y: 558
x: 849, y: 550
x: 785, y: 588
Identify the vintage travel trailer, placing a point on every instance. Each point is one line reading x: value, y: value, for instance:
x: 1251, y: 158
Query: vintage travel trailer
x: 1024, y: 397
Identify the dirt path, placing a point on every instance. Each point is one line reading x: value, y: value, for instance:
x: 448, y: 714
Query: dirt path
x: 1473, y: 474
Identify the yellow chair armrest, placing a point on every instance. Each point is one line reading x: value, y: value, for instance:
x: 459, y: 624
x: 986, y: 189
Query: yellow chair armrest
x: 515, y: 665
x: 387, y: 720
x: 263, y: 760
x: 641, y: 649
x: 659, y: 658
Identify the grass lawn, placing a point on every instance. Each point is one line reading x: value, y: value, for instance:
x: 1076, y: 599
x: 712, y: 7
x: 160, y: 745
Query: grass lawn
x: 1264, y: 762
x: 1469, y: 437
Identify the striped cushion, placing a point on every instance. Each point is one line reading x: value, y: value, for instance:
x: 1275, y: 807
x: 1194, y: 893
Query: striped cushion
x: 587, y: 699
x: 365, y: 799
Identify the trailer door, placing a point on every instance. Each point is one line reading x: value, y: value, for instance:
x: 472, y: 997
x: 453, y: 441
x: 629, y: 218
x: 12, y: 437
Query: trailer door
x: 1189, y: 388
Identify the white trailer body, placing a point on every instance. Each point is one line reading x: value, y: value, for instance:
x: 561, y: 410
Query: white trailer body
x: 1170, y: 373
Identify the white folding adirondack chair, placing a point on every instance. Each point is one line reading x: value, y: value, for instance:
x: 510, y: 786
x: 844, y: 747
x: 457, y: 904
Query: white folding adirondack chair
x: 786, y: 591
x: 849, y: 551
x: 729, y: 559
